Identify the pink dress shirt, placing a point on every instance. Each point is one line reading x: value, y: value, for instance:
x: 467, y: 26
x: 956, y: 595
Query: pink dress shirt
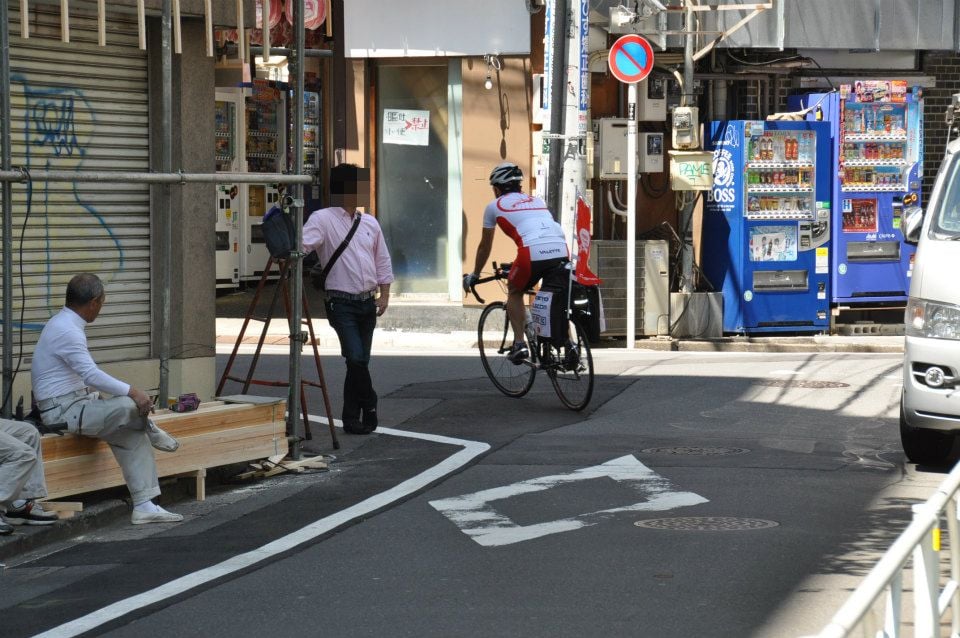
x: 364, y: 265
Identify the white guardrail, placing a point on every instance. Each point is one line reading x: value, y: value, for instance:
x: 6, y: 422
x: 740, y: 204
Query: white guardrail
x: 921, y: 541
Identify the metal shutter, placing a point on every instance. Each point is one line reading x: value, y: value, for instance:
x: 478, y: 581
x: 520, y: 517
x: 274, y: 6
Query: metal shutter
x: 79, y: 106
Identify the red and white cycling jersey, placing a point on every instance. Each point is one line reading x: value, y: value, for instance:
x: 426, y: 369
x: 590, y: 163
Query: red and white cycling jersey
x: 526, y: 220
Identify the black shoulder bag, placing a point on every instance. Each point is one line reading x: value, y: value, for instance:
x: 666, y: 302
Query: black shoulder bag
x: 318, y: 274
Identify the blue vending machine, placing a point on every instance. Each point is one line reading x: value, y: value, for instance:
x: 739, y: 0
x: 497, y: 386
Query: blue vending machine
x: 877, y: 128
x: 766, y: 225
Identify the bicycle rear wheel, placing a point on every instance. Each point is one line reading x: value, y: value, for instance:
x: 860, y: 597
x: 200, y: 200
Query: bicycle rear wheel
x: 494, y: 337
x: 571, y: 369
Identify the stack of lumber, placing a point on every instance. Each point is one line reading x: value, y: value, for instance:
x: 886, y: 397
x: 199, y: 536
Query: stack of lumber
x: 215, y: 434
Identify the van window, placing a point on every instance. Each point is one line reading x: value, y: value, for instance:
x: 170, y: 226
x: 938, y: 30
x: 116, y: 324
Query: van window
x: 947, y: 221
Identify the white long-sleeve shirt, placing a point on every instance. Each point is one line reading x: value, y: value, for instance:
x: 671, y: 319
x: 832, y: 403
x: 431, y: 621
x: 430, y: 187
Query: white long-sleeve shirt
x: 62, y: 361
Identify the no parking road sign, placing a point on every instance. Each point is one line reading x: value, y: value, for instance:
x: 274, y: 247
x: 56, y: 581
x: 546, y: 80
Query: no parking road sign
x: 631, y: 58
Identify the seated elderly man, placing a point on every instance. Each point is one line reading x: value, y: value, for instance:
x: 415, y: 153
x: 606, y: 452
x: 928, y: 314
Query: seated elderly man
x: 67, y: 383
x: 21, y: 477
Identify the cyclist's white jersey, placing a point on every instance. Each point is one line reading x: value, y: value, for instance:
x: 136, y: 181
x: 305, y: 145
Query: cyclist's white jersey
x: 527, y: 221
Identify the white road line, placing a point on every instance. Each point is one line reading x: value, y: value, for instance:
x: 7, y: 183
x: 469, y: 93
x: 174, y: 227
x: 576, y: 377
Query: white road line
x: 476, y: 518
x: 471, y: 449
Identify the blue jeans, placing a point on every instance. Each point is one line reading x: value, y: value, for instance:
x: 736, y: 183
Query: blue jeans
x: 354, y: 322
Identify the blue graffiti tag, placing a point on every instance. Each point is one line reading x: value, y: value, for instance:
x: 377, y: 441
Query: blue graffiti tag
x: 50, y: 133
x: 51, y: 121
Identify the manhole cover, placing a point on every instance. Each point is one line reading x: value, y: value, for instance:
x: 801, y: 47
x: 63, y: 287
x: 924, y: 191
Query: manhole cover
x: 684, y: 450
x: 707, y: 523
x: 800, y: 383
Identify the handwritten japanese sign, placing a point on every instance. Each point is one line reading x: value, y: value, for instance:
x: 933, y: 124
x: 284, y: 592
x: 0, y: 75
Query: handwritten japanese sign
x: 405, y: 126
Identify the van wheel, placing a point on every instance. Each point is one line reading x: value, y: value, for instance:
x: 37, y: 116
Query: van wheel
x: 922, y: 446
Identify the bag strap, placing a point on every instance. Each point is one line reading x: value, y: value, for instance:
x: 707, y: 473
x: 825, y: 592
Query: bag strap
x: 339, y: 251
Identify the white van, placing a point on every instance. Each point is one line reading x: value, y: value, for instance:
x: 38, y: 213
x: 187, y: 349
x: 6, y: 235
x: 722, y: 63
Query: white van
x: 930, y: 406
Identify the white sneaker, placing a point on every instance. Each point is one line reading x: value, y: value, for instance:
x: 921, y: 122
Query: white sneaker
x: 159, y: 515
x: 160, y: 439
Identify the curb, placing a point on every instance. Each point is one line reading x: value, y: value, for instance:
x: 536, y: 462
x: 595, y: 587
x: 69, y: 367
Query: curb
x: 26, y: 538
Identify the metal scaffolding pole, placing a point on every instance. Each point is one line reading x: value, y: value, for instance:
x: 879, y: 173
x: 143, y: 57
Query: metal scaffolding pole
x: 298, y: 335
x: 121, y: 177
x: 5, y: 164
x: 166, y: 205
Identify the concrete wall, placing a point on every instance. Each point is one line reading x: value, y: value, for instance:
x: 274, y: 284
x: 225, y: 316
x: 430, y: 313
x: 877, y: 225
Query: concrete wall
x: 192, y: 292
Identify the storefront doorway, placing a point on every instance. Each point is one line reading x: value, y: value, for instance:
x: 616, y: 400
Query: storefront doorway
x: 418, y: 174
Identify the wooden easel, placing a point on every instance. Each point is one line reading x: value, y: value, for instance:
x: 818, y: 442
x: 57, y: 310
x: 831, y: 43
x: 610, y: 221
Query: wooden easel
x: 281, y: 287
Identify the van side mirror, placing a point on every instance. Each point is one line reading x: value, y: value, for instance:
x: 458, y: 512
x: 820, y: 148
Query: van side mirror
x: 912, y: 224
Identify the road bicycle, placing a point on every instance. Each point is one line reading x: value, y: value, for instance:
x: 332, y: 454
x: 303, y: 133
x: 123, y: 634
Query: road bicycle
x: 566, y: 357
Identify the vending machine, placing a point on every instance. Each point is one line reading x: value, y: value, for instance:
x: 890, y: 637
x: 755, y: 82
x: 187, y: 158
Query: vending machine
x: 312, y: 148
x: 766, y: 225
x: 265, y: 152
x: 877, y: 128
x: 229, y: 154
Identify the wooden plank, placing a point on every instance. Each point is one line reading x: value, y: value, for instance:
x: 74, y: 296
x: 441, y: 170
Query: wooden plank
x: 218, y: 434
x: 177, y: 425
x: 64, y: 509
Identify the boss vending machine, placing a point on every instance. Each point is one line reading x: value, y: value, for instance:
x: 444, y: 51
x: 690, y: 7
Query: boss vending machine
x: 877, y: 128
x: 766, y: 225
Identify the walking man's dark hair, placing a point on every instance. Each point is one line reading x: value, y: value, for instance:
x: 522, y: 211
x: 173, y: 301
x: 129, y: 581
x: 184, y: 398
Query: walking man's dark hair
x: 82, y: 289
x: 344, y: 178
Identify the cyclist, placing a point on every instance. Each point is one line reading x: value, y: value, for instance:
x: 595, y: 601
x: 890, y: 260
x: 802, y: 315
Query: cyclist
x: 541, y: 245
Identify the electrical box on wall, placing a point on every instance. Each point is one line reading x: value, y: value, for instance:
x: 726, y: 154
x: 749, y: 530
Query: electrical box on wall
x: 610, y: 160
x: 610, y: 152
x: 652, y: 99
x: 650, y: 146
x: 686, y: 127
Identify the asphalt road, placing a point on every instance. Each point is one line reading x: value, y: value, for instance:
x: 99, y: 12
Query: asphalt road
x: 700, y: 494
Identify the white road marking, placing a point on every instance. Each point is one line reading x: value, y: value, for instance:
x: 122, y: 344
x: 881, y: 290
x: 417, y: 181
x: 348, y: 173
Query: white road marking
x: 476, y: 518
x: 471, y: 449
x: 786, y: 372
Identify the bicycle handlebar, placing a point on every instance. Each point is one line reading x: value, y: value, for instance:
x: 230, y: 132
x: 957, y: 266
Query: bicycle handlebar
x: 499, y: 272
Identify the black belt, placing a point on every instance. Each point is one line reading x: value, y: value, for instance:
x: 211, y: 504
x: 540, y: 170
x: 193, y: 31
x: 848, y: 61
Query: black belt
x: 362, y: 296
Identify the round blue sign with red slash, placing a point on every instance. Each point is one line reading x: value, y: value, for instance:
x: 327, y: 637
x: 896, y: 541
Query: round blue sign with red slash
x: 631, y: 58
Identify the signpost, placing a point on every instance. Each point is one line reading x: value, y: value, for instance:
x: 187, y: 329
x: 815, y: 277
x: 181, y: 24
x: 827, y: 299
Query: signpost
x: 631, y: 60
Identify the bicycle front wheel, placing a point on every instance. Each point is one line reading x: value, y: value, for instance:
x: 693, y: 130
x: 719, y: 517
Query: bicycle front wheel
x: 570, y: 368
x: 494, y: 337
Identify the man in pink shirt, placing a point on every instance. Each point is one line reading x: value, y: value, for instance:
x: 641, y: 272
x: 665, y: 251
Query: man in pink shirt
x: 357, y: 285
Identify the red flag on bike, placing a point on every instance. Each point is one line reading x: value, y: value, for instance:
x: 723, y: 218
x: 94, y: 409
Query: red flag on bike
x: 582, y: 273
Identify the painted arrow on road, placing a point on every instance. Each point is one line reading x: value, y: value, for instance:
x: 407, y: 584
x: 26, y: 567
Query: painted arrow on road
x: 478, y: 519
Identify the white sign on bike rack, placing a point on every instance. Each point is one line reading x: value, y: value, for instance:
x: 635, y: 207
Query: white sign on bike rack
x: 477, y: 517
x: 540, y: 313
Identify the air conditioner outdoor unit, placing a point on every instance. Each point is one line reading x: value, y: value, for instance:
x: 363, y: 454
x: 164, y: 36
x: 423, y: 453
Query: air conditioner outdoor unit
x: 608, y: 259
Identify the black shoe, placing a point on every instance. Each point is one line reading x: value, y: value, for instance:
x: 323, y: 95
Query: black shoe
x: 518, y: 353
x: 5, y: 528
x: 32, y: 513
x: 353, y: 426
x: 369, y: 419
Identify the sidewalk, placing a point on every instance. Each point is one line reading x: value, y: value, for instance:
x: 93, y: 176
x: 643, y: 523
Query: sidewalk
x: 398, y: 339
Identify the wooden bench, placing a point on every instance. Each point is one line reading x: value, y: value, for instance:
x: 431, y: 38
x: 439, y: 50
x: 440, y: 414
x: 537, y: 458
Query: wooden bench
x: 215, y: 434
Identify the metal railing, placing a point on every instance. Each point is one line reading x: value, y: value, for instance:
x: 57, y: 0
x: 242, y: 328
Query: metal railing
x: 920, y: 541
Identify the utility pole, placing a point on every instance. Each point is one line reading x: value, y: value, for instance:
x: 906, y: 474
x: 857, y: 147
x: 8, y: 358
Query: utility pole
x: 558, y: 28
x: 569, y: 104
x: 686, y: 213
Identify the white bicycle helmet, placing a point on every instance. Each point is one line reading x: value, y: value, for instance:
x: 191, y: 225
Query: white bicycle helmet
x: 505, y: 173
